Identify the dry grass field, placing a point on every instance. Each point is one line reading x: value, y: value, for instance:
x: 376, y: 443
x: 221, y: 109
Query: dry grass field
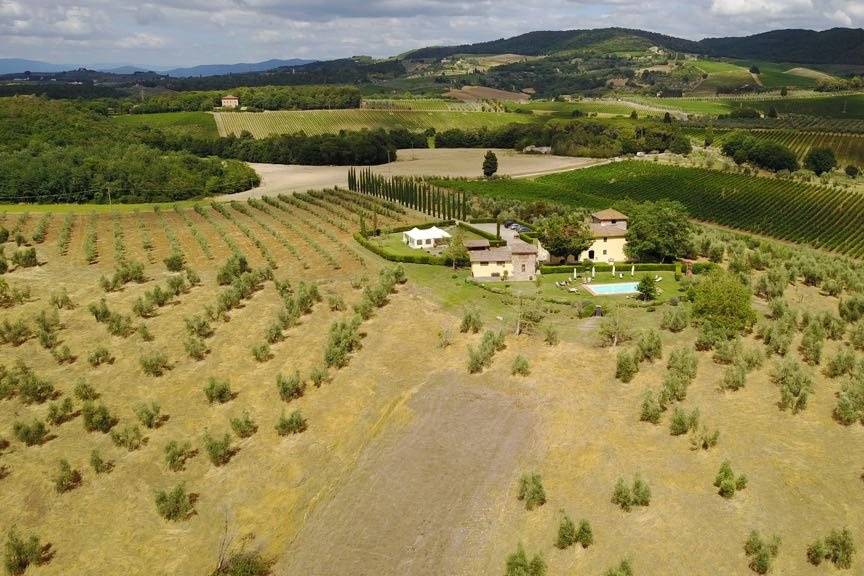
x: 409, y: 465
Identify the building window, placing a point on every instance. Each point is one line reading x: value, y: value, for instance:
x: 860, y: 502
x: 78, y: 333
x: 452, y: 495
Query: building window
x: 523, y: 268
x: 500, y: 263
x: 605, y: 239
x: 604, y: 252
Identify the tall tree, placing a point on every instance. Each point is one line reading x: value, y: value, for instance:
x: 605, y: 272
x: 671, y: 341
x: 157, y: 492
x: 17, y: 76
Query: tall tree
x: 820, y: 160
x: 566, y: 234
x: 490, y: 164
x: 657, y: 231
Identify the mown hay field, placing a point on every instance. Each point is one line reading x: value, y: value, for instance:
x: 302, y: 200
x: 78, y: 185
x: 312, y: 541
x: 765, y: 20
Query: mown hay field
x: 315, y: 122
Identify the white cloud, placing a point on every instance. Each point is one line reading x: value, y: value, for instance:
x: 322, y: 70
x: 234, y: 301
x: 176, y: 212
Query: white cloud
x: 142, y: 40
x: 748, y: 7
x: 840, y: 17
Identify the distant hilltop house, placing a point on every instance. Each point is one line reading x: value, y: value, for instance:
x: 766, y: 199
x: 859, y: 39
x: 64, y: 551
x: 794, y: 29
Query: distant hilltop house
x: 609, y: 229
x: 425, y: 238
x: 230, y: 101
x: 516, y: 261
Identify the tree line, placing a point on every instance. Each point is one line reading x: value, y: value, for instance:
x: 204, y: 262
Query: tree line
x: 410, y: 192
x: 60, y: 151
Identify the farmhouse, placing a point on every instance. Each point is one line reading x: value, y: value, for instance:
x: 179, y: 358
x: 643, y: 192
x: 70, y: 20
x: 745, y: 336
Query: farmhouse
x: 230, y: 101
x: 426, y: 238
x: 516, y: 261
x: 609, y: 228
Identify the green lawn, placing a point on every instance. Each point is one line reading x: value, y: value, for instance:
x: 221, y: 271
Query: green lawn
x: 668, y: 286
x: 198, y: 124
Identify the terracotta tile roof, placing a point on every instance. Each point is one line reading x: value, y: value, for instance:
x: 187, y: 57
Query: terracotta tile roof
x: 478, y: 244
x: 609, y: 214
x: 502, y: 254
x: 608, y: 231
x: 520, y: 247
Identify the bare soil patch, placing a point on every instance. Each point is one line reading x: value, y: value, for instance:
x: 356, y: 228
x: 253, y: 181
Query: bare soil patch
x: 424, y: 494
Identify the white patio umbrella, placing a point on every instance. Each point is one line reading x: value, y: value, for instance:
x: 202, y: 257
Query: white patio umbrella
x: 613, y: 269
x: 593, y: 272
x: 633, y: 270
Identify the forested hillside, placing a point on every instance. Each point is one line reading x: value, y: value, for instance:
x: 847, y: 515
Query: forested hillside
x: 57, y: 151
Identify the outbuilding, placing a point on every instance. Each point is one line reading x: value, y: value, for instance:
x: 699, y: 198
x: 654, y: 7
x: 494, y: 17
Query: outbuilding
x: 419, y: 239
x: 230, y: 101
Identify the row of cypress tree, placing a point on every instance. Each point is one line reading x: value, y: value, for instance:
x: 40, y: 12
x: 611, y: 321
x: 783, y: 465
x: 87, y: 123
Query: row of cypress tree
x: 410, y: 192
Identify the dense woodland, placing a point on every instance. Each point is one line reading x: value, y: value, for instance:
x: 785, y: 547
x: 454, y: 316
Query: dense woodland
x: 261, y: 98
x: 56, y: 151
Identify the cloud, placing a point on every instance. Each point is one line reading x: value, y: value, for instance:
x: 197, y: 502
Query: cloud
x: 188, y: 32
x: 142, y: 40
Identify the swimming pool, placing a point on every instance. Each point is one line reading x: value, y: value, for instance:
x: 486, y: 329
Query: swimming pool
x: 612, y: 289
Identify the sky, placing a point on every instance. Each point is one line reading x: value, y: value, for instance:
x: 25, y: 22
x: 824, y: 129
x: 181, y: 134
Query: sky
x: 170, y: 33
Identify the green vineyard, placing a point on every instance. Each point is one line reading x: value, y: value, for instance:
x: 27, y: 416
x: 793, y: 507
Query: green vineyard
x: 849, y: 148
x: 830, y: 219
x: 313, y: 122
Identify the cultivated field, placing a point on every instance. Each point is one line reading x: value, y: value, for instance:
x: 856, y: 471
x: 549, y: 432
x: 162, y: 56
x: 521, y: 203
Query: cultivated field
x: 408, y: 464
x: 332, y: 121
x: 828, y: 218
x: 848, y: 148
x: 198, y: 124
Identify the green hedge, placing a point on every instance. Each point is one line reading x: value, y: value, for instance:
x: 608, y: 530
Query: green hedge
x: 493, y: 240
x: 623, y: 268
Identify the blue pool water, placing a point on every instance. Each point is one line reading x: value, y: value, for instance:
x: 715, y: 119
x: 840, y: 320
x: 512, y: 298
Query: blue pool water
x: 613, y: 289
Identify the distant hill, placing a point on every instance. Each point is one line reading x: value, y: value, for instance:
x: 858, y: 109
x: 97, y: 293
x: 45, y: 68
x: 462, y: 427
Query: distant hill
x: 19, y: 65
x: 835, y: 46
x: 242, y: 68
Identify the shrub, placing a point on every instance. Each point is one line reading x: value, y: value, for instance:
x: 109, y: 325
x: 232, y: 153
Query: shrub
x: 100, y: 356
x: 234, y: 267
x: 219, y: 450
x: 30, y: 434
x: 176, y: 455
x: 566, y: 533
x: 613, y: 331
x: 99, y: 464
x: 649, y: 347
x: 531, y: 491
x: 175, y: 261
x: 647, y: 288
x: 19, y: 554
x: 196, y: 347
x: 550, y: 336
x: 518, y: 564
x: 675, y: 319
x: 727, y: 351
x: 856, y: 337
x: 25, y: 258
x: 795, y: 384
x: 63, y: 355
x: 292, y: 424
x: 174, y: 505
x: 150, y: 415
x: 626, y: 497
x: 838, y: 548
x: 704, y: 439
x: 14, y: 333
x: 623, y: 569
x: 471, y: 321
x: 60, y: 412
x: 243, y: 564
x: 31, y: 388
x: 812, y: 343
x: 585, y: 536
x: 721, y: 299
x: 129, y: 437
x: 319, y: 376
x: 291, y: 387
x: 218, y: 391
x: 66, y: 478
x: 97, y: 418
x: 674, y: 387
x: 850, y: 401
x: 144, y: 333
x: 154, y: 364
x: 761, y: 552
x: 627, y: 365
x: 652, y: 409
x: 342, y: 339
x: 683, y: 422
x: 335, y: 303
x: 727, y: 482
x: 843, y: 363
x: 481, y: 357
x: 683, y: 361
x: 244, y: 426
x: 84, y: 391
x: 734, y: 377
x: 520, y: 366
